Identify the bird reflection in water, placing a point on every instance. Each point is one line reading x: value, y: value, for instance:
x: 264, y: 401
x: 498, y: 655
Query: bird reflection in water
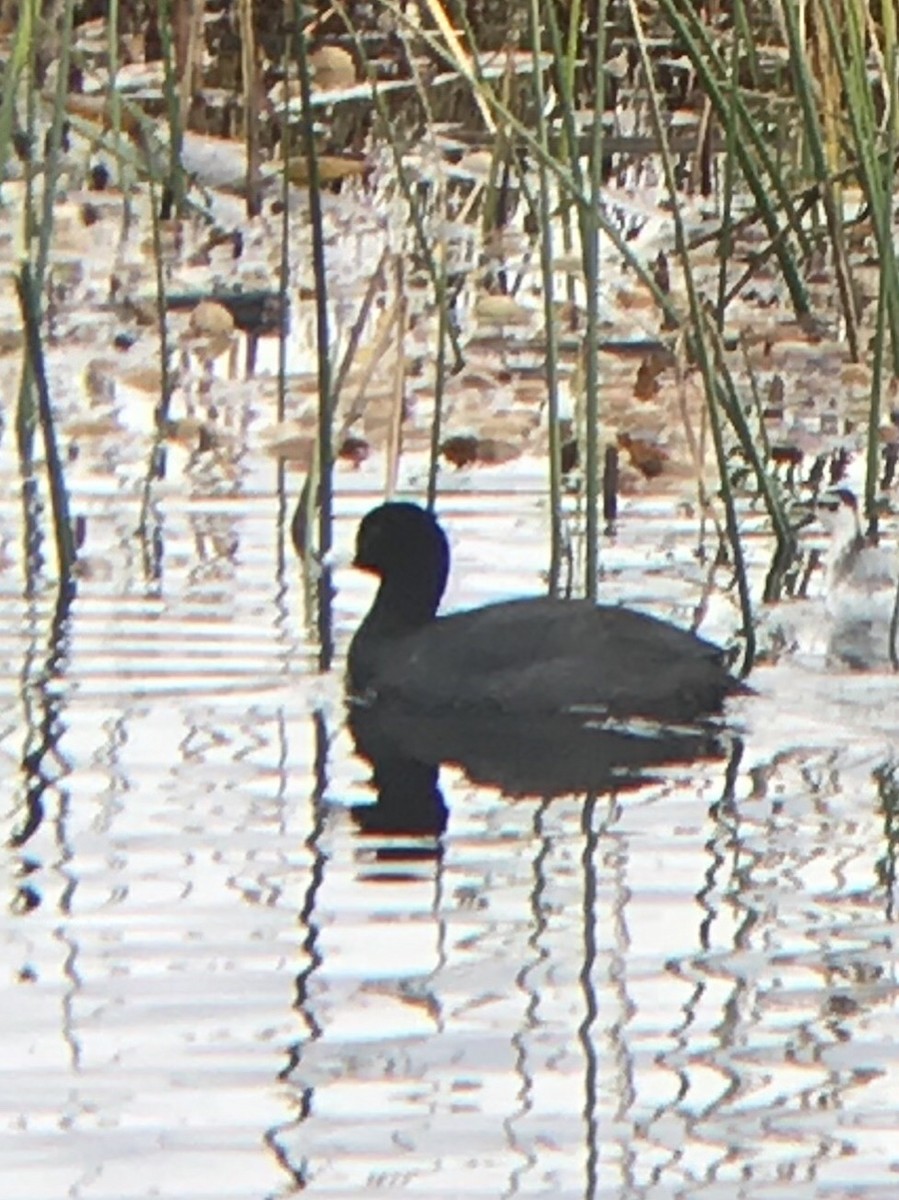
x: 522, y: 756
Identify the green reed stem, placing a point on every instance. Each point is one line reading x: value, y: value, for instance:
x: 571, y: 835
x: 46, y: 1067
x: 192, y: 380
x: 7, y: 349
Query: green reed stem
x: 439, y: 386
x: 54, y: 146
x: 828, y: 188
x: 872, y: 442
x: 26, y: 412
x: 588, y: 215
x: 848, y: 36
x: 757, y: 166
x: 115, y: 115
x: 176, y: 179
x: 156, y: 465
x: 26, y: 408
x: 249, y: 65
x: 715, y: 398
x: 726, y: 239
x: 20, y: 54
x: 545, y: 234
x: 589, y: 201
x: 570, y: 187
x: 569, y: 63
x: 405, y: 180
x: 285, y: 255
x: 323, y: 341
x: 29, y: 302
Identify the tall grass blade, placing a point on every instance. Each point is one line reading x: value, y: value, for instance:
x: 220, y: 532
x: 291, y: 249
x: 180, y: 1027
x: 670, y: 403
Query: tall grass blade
x: 545, y: 234
x: 829, y: 188
x: 759, y: 169
x: 700, y: 346
x: 29, y: 302
x: 176, y: 181
x: 20, y: 53
x: 323, y: 494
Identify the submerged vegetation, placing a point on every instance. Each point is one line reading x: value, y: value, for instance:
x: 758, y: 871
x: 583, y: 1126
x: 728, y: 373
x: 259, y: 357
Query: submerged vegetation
x: 651, y: 242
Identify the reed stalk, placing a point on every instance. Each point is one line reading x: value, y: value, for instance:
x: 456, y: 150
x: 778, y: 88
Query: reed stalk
x: 822, y: 147
x: 440, y: 375
x: 176, y: 180
x: 29, y: 302
x: 122, y: 161
x: 54, y: 147
x: 249, y: 62
x: 33, y: 406
x: 726, y: 238
x: 756, y: 164
x: 588, y: 215
x: 699, y: 338
x: 285, y: 255
x: 323, y: 493
x: 566, y: 173
x: 21, y: 53
x: 434, y: 259
x: 156, y: 465
x: 26, y: 409
x: 588, y: 208
x: 848, y: 37
x: 544, y: 221
x: 296, y: 527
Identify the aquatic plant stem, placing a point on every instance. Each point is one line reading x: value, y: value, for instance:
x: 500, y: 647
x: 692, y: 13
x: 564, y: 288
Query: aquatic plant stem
x: 872, y: 442
x: 875, y: 170
x: 588, y: 215
x: 568, y: 176
x: 406, y: 182
x: 726, y: 239
x: 828, y: 187
x: 549, y: 316
x: 54, y: 147
x: 848, y: 38
x: 29, y: 303
x: 249, y: 63
x: 324, y: 491
x: 20, y: 52
x: 439, y: 384
x: 588, y: 207
x: 283, y: 307
x: 699, y: 343
x: 122, y: 161
x: 176, y: 181
x: 758, y: 168
x: 284, y: 257
x: 156, y: 466
x: 42, y: 225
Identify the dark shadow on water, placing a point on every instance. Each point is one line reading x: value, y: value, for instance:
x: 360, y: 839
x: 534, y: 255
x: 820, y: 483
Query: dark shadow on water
x: 520, y: 755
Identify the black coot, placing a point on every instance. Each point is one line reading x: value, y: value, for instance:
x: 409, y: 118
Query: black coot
x: 535, y: 655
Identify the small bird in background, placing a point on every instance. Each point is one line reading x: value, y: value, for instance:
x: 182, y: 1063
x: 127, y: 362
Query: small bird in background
x: 861, y: 579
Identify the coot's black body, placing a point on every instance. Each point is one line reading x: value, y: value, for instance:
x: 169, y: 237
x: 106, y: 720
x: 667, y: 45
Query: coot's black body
x: 522, y: 656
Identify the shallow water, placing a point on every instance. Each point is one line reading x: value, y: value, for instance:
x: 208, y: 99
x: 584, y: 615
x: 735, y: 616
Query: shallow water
x: 216, y: 985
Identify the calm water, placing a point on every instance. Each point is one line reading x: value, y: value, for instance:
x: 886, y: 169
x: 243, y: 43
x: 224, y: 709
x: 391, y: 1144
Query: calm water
x: 216, y: 985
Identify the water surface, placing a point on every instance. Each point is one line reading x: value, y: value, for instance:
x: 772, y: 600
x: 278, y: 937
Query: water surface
x: 216, y: 985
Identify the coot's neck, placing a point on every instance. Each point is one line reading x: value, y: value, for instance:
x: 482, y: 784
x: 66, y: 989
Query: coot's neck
x: 407, y: 603
x: 413, y: 574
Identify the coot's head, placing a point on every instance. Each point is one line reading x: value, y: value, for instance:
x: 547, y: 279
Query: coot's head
x: 405, y: 545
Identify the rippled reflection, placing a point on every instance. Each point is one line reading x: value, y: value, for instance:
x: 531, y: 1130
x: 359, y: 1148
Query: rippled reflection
x: 253, y: 961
